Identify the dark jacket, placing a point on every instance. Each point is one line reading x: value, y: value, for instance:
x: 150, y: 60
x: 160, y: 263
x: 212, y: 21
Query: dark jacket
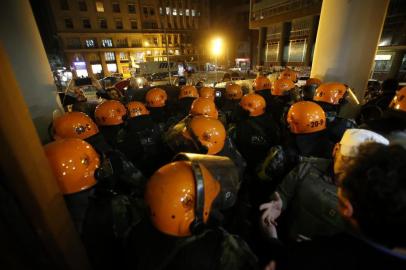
x: 341, y: 251
x: 309, y: 194
x: 212, y: 249
x: 254, y: 136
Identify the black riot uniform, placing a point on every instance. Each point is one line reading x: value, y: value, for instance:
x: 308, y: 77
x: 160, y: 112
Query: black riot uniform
x: 281, y: 159
x: 254, y: 136
x: 232, y: 110
x: 142, y: 143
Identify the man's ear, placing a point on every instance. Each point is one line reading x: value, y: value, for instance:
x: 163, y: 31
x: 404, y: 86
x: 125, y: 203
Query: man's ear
x: 345, y: 205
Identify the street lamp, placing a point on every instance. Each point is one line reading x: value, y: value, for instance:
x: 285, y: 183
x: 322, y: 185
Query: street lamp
x: 216, y: 49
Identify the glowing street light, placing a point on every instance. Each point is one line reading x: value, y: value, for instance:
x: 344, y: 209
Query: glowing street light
x: 216, y: 49
x: 217, y: 46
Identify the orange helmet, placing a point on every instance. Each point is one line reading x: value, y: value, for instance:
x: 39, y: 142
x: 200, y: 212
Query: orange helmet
x: 136, y: 108
x: 331, y: 93
x: 156, y: 97
x: 210, y: 133
x: 74, y: 125
x: 399, y: 101
x: 253, y: 103
x: 306, y: 117
x: 233, y: 91
x: 207, y: 92
x: 110, y: 113
x: 288, y: 74
x: 205, y: 107
x: 188, y: 91
x: 73, y: 162
x: 261, y: 83
x: 280, y: 86
x: 313, y: 81
x: 179, y: 207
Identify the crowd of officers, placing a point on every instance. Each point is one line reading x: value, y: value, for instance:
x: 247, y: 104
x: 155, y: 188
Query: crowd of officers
x: 274, y: 178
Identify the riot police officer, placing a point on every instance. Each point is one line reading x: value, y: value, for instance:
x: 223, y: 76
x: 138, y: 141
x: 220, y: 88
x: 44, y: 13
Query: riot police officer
x: 142, y: 143
x: 331, y: 96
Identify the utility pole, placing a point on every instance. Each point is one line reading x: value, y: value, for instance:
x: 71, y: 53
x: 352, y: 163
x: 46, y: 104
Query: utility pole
x: 167, y: 57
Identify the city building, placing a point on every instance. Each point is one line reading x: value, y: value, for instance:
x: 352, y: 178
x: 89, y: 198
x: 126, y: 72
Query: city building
x: 101, y: 37
x: 287, y: 31
x: 232, y: 25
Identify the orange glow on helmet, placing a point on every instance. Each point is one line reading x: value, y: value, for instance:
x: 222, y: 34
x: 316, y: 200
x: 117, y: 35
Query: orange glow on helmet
x: 306, y: 117
x: 171, y: 197
x: 253, y: 103
x: 74, y: 125
x: 205, y: 107
x: 136, y: 108
x: 261, y: 83
x: 110, y: 113
x: 156, y: 97
x: 332, y: 93
x: 73, y: 162
x: 188, y: 91
x: 207, y: 92
x: 280, y: 86
x: 233, y: 91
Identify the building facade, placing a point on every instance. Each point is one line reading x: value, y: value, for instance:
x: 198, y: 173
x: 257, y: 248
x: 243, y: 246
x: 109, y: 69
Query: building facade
x: 232, y: 25
x: 101, y: 37
x: 288, y: 29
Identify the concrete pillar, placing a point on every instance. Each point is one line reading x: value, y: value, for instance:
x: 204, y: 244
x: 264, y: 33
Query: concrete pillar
x: 347, y: 40
x: 104, y: 65
x: 261, y: 46
x: 310, y: 41
x: 396, y: 63
x: 22, y: 42
x: 282, y: 42
x: 88, y: 64
x: 118, y: 62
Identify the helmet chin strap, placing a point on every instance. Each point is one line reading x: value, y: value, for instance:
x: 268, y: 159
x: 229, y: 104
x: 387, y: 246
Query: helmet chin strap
x: 198, y: 223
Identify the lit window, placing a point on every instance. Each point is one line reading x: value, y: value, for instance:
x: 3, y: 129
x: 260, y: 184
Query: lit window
x: 109, y: 56
x: 107, y: 43
x: 187, y: 12
x: 123, y: 56
x: 193, y: 12
x: 161, y: 11
x: 174, y: 12
x: 168, y: 11
x: 181, y: 12
x: 90, y: 43
x: 148, y: 53
x: 112, y: 68
x: 99, y: 6
x: 176, y: 52
x: 131, y: 8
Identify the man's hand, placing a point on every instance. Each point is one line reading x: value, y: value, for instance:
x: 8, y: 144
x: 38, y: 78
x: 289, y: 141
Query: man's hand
x: 271, y: 210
